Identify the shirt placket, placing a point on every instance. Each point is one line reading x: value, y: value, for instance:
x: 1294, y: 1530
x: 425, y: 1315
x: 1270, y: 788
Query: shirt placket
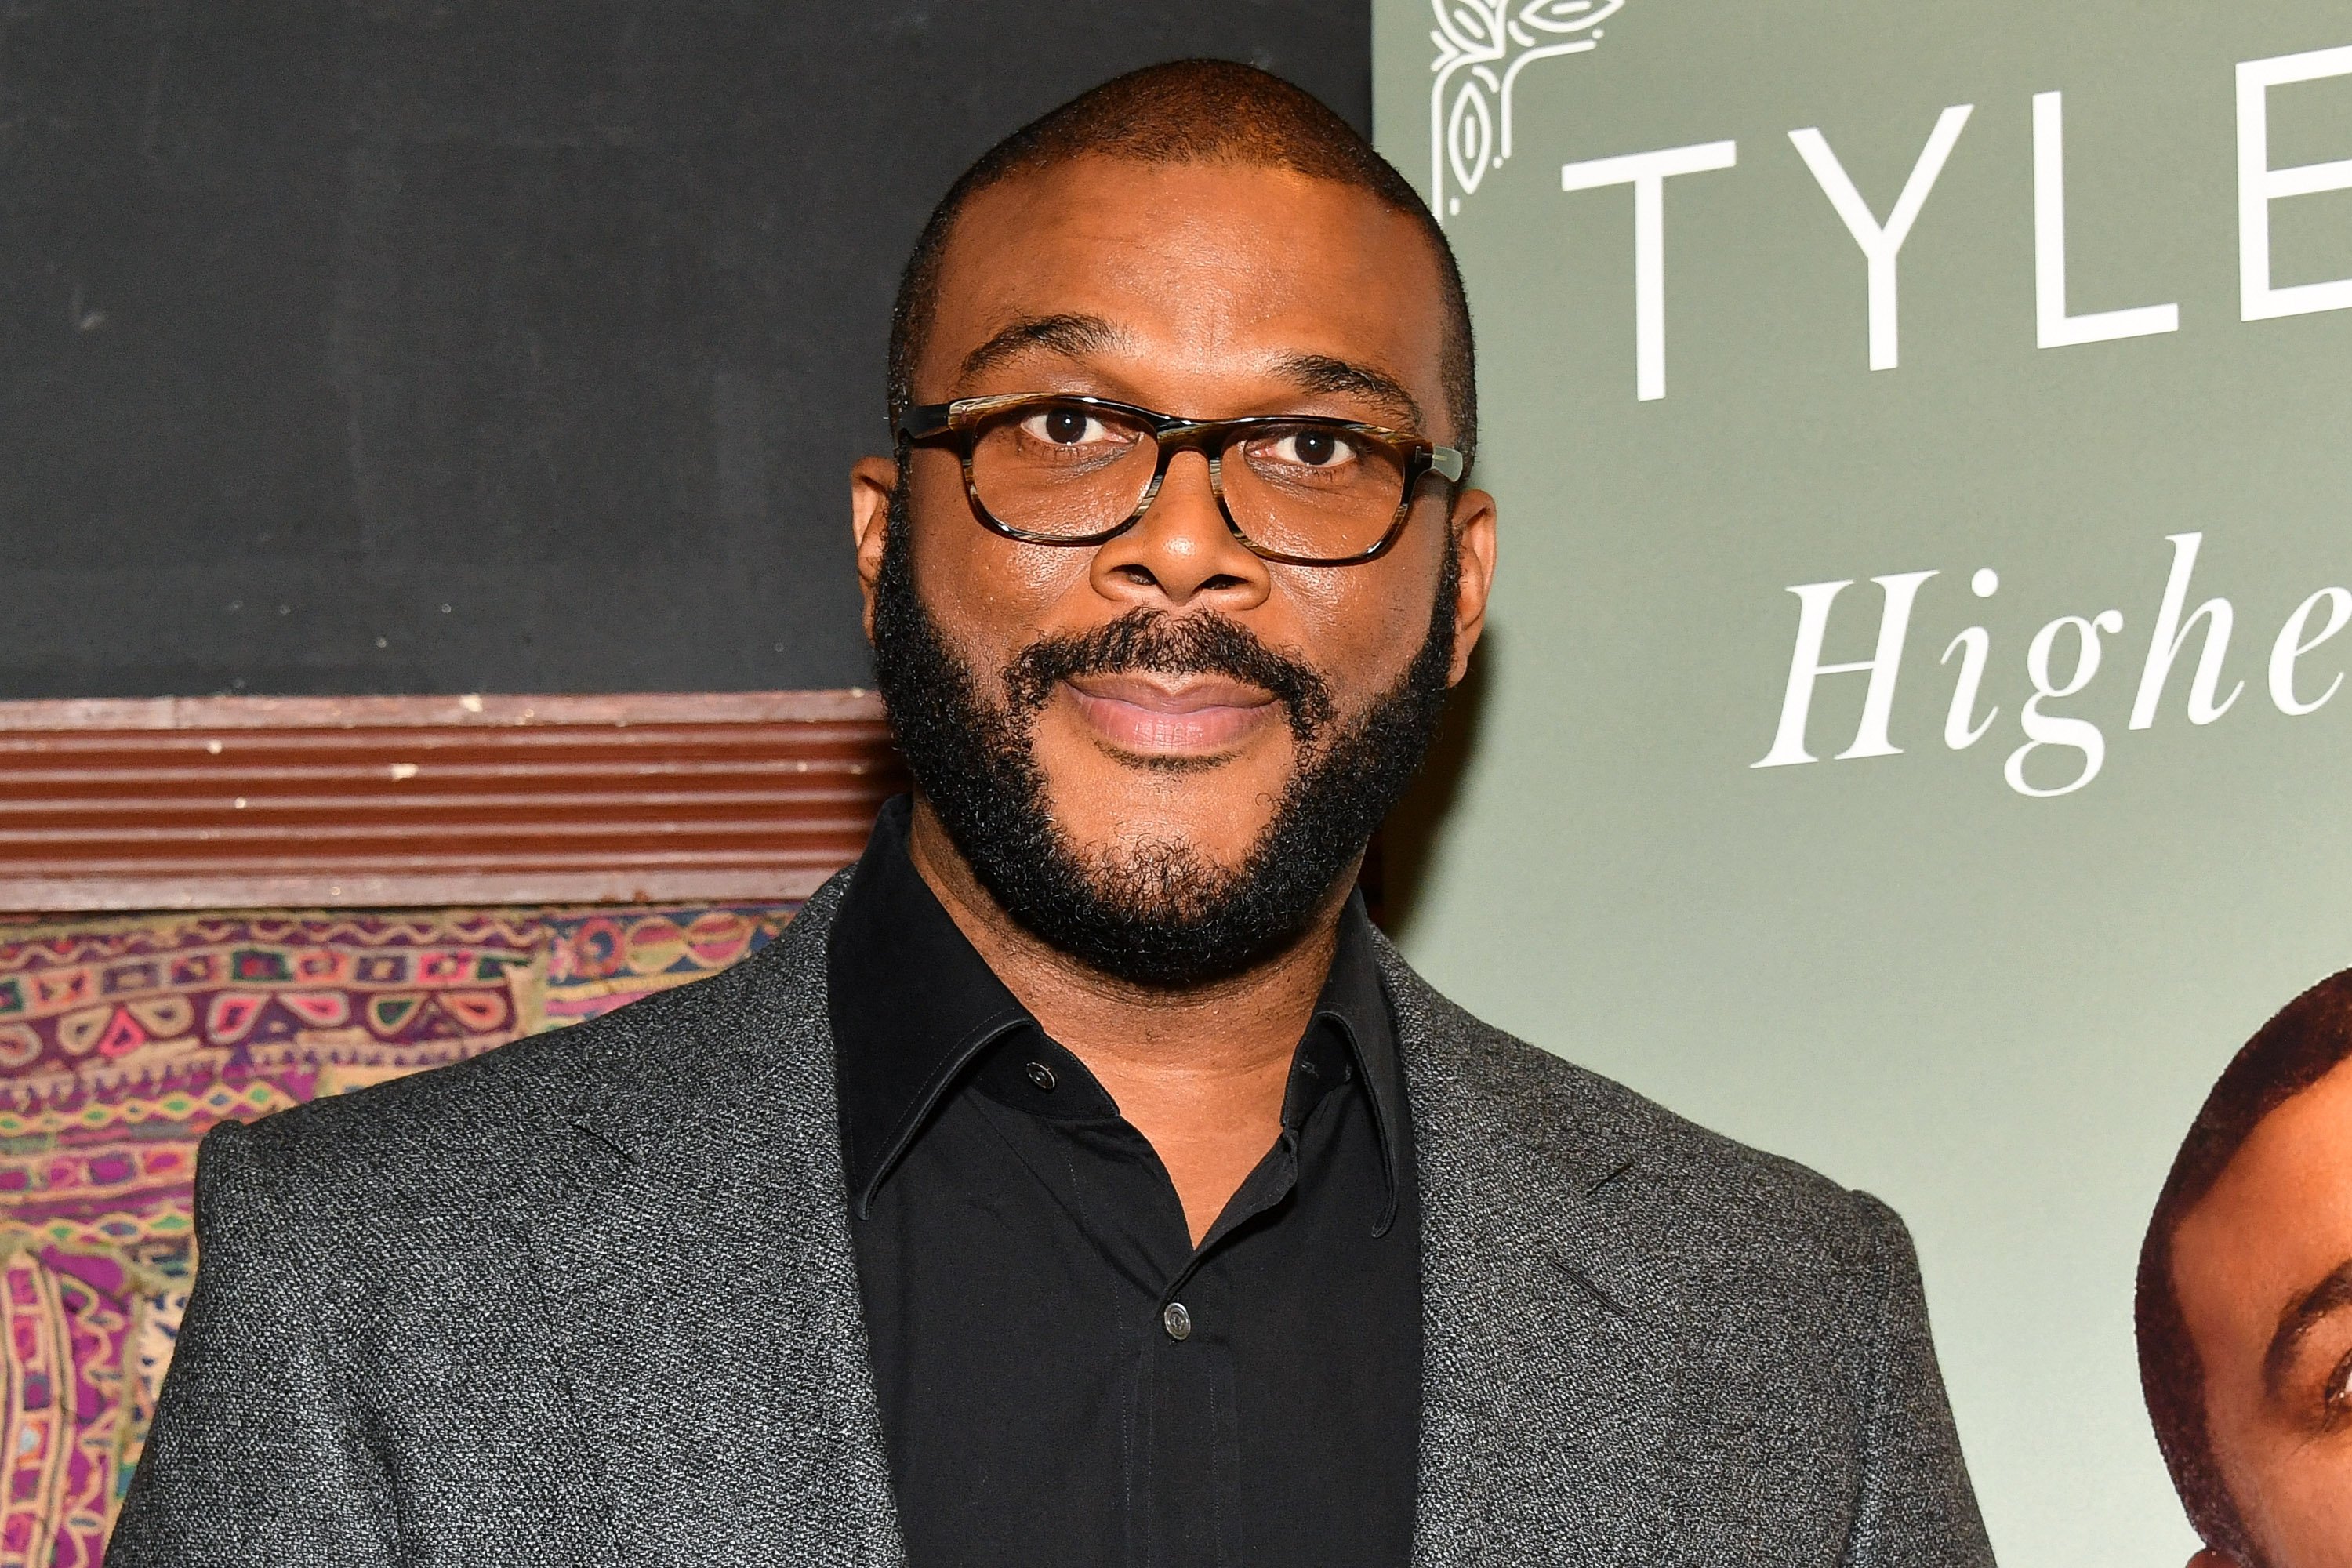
x: 1189, y: 1381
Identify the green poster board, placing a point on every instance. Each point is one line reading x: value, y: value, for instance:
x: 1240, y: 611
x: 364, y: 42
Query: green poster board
x: 1910, y: 737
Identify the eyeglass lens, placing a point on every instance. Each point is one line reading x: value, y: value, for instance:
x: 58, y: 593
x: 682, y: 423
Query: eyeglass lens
x: 1066, y: 470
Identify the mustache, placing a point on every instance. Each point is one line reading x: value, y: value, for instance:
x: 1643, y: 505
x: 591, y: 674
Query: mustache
x: 1155, y: 642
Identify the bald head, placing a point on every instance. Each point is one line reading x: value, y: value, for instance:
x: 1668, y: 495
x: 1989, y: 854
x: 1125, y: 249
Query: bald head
x: 1190, y: 111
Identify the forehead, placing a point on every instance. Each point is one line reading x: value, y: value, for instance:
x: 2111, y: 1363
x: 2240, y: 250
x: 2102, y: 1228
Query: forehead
x: 1201, y: 267
x: 2278, y: 1221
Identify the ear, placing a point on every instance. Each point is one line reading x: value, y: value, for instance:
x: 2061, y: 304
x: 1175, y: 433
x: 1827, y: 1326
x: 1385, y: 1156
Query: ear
x: 2209, y: 1558
x: 1473, y: 523
x: 871, y: 482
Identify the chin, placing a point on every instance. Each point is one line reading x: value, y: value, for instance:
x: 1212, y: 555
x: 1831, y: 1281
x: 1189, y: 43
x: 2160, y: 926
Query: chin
x: 1215, y: 828
x: 1217, y: 808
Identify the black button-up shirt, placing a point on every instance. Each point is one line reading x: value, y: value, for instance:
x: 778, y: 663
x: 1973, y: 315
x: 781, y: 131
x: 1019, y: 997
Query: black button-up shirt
x: 1065, y: 1379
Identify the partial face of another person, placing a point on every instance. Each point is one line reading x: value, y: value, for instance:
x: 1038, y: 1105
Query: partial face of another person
x: 2263, y: 1269
x: 1164, y: 751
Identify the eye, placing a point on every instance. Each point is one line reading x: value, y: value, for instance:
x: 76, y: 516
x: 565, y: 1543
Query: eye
x: 1065, y: 427
x: 1311, y: 448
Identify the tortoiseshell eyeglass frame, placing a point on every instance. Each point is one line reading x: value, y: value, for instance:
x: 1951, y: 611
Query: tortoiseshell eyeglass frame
x: 957, y: 425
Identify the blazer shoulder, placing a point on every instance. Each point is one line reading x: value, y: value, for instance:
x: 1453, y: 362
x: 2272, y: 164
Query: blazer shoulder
x: 478, y: 1134
x: 1596, y: 1133
x: 476, y: 1123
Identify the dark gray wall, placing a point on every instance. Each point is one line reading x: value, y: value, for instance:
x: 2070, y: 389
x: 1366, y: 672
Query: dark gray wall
x: 418, y: 347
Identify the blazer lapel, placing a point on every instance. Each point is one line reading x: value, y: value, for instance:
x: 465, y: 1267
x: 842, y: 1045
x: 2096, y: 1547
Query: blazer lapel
x: 1549, y: 1420
x: 701, y: 1289
x: 697, y: 1269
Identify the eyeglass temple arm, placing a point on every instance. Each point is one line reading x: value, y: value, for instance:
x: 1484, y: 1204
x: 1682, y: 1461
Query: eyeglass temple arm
x: 923, y: 421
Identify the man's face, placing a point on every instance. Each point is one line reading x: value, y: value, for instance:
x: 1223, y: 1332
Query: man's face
x: 1207, y: 291
x: 2263, y: 1269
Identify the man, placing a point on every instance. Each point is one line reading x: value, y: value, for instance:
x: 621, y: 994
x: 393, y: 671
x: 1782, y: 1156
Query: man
x: 2245, y: 1299
x: 1081, y: 1180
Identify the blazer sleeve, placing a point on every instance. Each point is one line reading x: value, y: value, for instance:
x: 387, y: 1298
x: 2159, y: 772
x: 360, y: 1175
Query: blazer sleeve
x: 1918, y: 1508
x: 252, y: 1461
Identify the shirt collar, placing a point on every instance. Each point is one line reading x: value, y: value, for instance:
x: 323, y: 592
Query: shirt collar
x: 1355, y: 1003
x: 913, y: 1004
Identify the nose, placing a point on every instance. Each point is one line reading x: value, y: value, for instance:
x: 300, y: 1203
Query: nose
x: 1180, y: 554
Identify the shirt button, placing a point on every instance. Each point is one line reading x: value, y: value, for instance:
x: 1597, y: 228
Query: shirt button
x: 1040, y: 1075
x: 1178, y: 1320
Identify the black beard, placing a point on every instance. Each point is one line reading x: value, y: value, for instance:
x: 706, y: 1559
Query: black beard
x: 1160, y: 914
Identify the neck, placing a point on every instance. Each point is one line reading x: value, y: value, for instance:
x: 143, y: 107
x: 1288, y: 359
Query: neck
x: 1200, y: 1072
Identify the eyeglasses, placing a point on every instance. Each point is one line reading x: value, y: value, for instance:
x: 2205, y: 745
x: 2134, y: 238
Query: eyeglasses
x: 1306, y: 491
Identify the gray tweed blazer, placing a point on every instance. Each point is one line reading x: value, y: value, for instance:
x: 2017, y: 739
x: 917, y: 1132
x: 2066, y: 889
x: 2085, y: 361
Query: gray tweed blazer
x: 590, y: 1299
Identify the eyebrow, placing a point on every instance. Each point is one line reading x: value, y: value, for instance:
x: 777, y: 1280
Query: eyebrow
x: 1321, y: 373
x: 2305, y: 1313
x: 1074, y: 336
x: 1068, y: 335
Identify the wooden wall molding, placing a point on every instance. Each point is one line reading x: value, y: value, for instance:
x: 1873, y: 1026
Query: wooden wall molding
x: 261, y: 802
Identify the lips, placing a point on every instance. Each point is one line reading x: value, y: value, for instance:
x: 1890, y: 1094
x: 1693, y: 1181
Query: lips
x: 1172, y: 715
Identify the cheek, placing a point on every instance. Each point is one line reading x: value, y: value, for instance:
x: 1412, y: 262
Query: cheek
x: 1361, y: 626
x: 2298, y: 1501
x: 991, y: 595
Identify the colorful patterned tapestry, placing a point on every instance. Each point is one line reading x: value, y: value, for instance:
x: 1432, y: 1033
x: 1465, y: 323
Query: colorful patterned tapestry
x: 123, y: 1041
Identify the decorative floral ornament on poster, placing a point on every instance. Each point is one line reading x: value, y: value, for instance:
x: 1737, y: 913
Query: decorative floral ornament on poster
x: 1482, y: 48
